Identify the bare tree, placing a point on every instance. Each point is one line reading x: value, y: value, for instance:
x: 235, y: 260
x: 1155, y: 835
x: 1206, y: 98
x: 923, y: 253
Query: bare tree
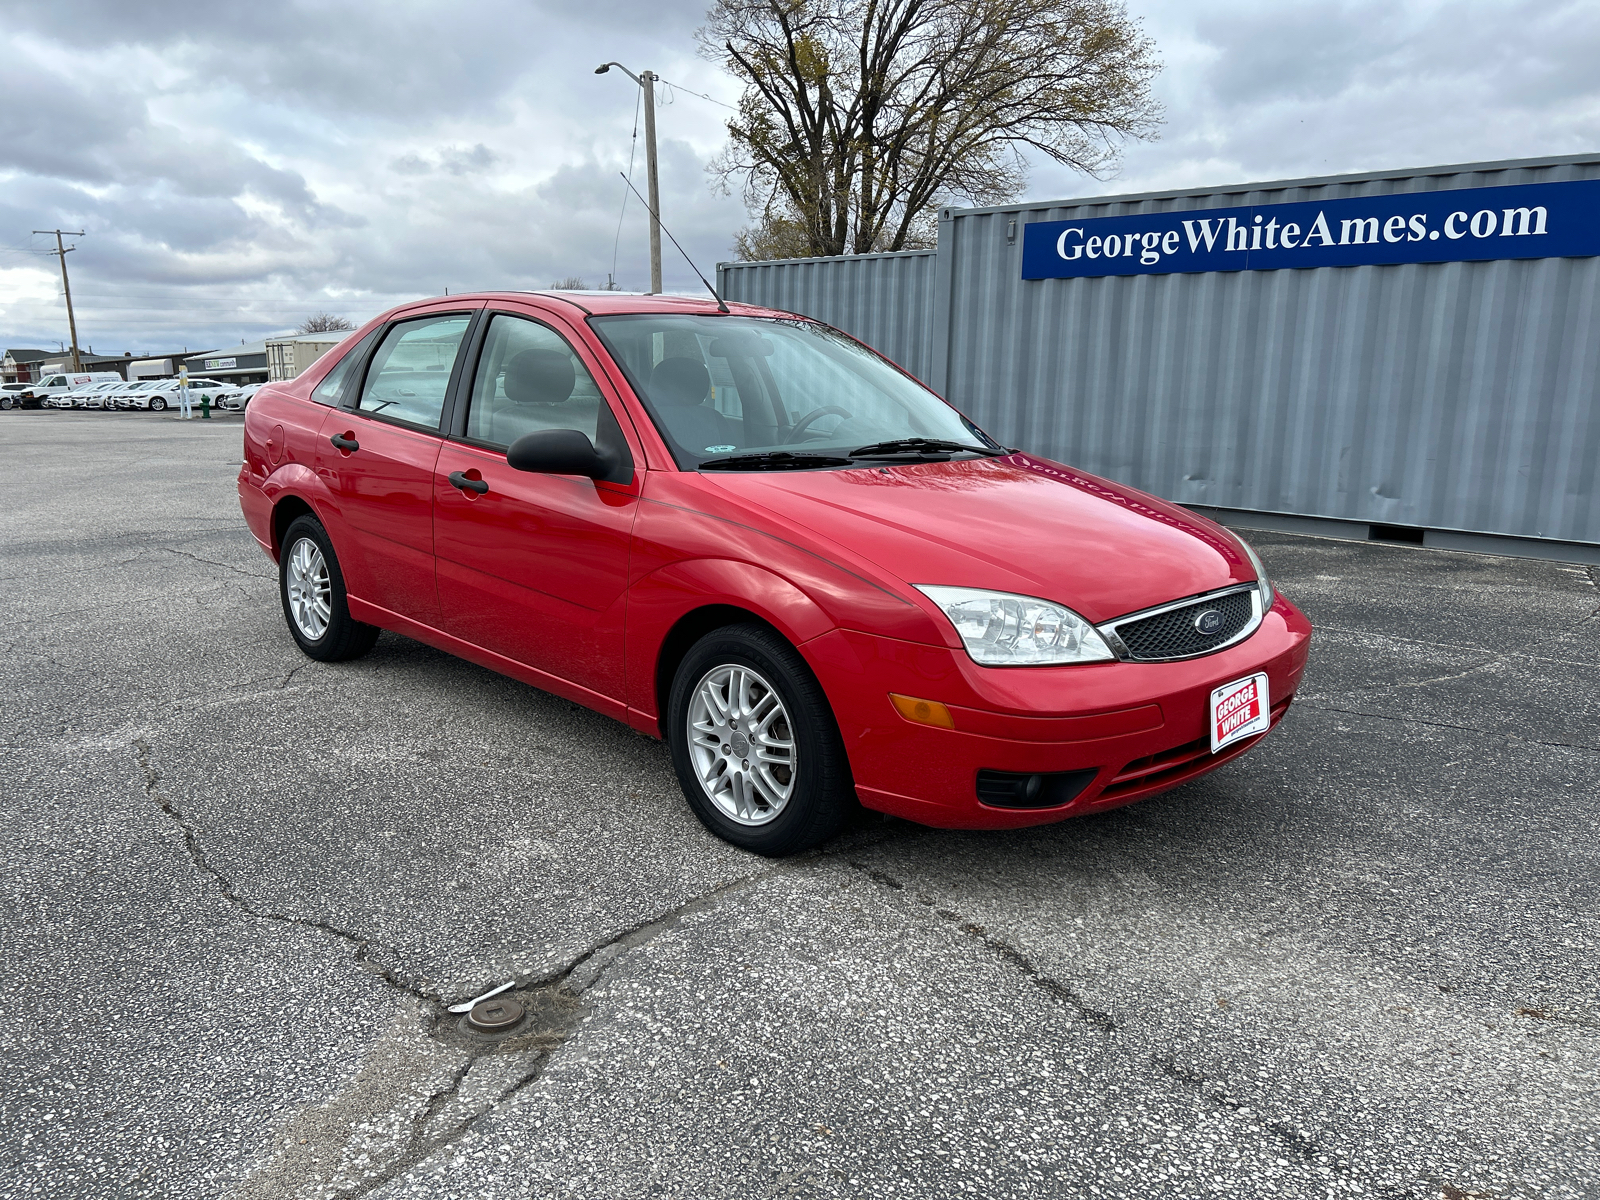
x: 324, y: 323
x: 860, y: 117
x: 570, y: 284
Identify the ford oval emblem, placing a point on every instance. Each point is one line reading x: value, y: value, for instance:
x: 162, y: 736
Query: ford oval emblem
x: 1208, y: 622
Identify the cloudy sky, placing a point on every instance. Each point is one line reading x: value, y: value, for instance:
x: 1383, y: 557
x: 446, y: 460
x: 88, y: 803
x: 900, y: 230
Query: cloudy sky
x: 237, y: 166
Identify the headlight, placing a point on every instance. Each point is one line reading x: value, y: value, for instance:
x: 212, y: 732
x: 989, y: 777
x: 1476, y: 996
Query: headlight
x: 1002, y: 630
x: 1267, y: 593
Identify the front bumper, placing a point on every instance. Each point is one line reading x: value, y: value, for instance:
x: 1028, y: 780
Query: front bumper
x: 1140, y: 726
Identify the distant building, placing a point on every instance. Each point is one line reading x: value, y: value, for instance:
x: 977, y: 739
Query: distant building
x: 24, y: 366
x: 29, y: 366
x: 235, y: 364
x: 281, y: 357
x: 288, y: 356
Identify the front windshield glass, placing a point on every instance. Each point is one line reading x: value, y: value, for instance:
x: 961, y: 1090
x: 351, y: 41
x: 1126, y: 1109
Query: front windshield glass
x: 727, y: 387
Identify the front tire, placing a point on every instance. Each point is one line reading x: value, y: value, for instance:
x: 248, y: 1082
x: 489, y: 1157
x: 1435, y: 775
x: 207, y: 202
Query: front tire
x: 755, y: 745
x: 158, y: 405
x: 311, y: 586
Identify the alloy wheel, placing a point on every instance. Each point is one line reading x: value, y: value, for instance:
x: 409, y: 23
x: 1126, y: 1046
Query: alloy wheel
x: 742, y: 744
x: 309, y: 589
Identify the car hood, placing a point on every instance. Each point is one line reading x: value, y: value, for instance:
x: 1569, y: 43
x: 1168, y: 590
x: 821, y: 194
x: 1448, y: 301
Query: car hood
x: 1015, y: 524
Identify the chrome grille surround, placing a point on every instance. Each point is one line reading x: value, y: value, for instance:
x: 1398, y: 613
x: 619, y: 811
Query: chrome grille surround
x: 1113, y: 638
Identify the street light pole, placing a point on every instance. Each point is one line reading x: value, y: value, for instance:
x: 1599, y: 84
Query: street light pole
x: 72, y: 322
x: 649, y: 78
x: 647, y: 81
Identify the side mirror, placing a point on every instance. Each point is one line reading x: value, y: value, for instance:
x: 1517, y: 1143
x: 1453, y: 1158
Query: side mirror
x: 558, y: 452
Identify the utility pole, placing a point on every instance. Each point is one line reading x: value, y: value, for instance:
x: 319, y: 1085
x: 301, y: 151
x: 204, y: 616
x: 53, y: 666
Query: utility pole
x: 649, y: 78
x: 61, y: 253
x: 647, y: 81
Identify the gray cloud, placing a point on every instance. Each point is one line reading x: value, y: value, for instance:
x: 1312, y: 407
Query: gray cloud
x: 237, y: 166
x: 1257, y: 90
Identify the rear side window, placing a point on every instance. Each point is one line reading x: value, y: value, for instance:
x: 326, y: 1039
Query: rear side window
x: 410, y: 372
x: 529, y: 379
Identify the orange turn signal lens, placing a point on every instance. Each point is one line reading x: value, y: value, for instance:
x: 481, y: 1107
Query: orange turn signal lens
x: 923, y: 712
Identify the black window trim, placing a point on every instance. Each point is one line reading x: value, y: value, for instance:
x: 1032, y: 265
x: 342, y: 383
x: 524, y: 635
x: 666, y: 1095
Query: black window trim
x: 349, y: 401
x: 460, y: 396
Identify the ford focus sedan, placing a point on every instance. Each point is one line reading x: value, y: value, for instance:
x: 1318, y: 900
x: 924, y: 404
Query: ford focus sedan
x: 745, y: 533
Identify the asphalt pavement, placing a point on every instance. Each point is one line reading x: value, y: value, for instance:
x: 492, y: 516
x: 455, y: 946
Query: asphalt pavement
x: 240, y: 888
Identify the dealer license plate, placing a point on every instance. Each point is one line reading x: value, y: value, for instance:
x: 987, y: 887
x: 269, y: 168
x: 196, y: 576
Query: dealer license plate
x: 1239, y: 710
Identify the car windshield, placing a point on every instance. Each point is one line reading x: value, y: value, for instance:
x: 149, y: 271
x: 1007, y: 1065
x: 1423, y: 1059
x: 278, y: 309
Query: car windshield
x: 782, y: 391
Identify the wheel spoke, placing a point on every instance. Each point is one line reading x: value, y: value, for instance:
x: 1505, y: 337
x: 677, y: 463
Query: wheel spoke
x: 771, y: 790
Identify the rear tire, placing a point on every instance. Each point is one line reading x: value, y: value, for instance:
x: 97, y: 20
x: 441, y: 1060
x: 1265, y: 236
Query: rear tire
x: 315, y: 604
x: 799, y: 791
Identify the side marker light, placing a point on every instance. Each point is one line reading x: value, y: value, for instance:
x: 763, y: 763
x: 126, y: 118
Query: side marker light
x: 922, y: 712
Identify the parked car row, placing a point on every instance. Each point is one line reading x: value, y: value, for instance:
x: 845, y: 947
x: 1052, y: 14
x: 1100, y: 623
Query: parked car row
x: 106, y: 395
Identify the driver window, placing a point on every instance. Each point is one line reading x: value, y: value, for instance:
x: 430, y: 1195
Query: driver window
x: 529, y: 379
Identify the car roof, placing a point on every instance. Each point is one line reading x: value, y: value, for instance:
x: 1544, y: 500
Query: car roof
x: 608, y: 303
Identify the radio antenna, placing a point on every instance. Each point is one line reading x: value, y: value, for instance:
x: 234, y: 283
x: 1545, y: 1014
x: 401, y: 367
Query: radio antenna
x: 721, y: 304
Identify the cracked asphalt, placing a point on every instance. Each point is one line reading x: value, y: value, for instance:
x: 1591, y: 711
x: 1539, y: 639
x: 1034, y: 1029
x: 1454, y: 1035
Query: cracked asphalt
x: 239, y: 887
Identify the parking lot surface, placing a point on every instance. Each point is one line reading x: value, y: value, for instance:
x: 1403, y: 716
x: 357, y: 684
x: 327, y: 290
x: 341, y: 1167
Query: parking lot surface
x: 239, y: 886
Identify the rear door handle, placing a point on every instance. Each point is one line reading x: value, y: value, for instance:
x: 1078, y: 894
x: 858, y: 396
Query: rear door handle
x: 345, y: 443
x: 459, y: 479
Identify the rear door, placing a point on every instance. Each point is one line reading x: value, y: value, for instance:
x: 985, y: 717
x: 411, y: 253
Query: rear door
x: 377, y: 457
x: 535, y: 567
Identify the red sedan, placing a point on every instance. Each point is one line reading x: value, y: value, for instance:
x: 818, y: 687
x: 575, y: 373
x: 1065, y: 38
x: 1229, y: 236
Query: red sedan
x: 746, y: 533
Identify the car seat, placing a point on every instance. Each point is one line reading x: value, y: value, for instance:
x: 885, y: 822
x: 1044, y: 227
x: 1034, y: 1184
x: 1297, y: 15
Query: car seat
x: 680, y: 387
x: 535, y: 381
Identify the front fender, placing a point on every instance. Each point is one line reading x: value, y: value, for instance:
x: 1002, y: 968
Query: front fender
x: 659, y: 600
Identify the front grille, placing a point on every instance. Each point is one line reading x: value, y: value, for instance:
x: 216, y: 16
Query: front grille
x: 1172, y: 634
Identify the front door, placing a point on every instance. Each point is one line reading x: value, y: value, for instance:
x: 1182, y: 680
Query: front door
x: 378, y: 457
x: 534, y: 567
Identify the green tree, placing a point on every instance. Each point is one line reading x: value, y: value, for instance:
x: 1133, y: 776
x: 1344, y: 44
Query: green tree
x: 859, y: 118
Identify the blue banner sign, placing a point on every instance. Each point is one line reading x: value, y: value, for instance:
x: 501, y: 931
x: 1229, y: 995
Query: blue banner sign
x: 1538, y: 220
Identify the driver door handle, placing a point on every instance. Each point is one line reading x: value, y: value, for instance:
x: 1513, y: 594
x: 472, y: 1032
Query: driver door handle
x: 459, y: 479
x: 345, y: 443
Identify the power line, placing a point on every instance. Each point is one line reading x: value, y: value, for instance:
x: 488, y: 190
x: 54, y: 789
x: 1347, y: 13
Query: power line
x: 702, y: 95
x: 632, y: 149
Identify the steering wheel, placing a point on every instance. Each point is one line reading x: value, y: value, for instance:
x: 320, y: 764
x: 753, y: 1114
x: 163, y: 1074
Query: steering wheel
x: 804, y: 423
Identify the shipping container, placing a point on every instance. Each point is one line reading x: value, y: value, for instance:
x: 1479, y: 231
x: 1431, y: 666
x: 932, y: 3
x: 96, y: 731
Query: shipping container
x: 1429, y: 367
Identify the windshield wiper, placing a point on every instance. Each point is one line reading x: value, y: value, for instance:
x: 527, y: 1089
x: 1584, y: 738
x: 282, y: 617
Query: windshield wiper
x: 915, y: 447
x: 773, y: 460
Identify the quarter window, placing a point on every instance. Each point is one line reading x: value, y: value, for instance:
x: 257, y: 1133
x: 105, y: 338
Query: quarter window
x: 332, y: 385
x: 529, y: 379
x: 410, y: 373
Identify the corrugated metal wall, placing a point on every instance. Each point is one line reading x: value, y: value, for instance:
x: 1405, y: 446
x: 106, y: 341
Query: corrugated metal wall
x: 886, y: 300
x: 1461, y: 396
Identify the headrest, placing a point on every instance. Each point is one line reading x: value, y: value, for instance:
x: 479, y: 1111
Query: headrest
x: 680, y: 381
x: 539, y: 377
